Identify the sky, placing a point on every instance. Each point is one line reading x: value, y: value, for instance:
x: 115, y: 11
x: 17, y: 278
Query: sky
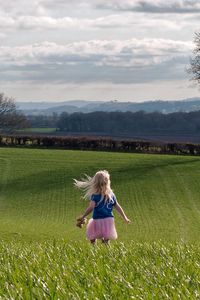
x: 125, y: 50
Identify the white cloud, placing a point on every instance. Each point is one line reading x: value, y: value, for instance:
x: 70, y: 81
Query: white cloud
x: 124, y: 25
x: 44, y: 22
x: 2, y: 35
x: 128, y: 53
x: 108, y: 52
x: 20, y: 7
x: 129, y: 61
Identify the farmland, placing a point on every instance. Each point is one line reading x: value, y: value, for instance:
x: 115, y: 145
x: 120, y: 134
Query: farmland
x: 159, y: 193
x: 45, y: 256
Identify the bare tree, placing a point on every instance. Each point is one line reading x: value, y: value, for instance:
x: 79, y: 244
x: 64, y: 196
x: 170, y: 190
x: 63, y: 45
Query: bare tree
x: 10, y: 118
x: 195, y: 61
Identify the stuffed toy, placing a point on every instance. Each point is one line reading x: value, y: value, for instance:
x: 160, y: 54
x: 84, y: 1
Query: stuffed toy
x: 80, y: 222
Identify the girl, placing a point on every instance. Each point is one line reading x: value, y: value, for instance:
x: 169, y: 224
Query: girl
x: 102, y: 201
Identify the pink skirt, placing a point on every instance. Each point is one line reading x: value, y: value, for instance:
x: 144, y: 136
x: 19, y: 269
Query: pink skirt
x: 101, y: 228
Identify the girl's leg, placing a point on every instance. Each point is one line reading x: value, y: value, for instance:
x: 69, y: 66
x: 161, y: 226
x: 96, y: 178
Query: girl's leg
x: 106, y: 242
x: 93, y: 242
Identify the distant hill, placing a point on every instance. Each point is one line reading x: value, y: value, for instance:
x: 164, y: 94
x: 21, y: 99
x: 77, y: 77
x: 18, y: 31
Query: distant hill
x: 48, y: 108
x: 34, y: 105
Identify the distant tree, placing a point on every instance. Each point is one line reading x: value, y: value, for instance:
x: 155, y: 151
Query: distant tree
x: 195, y: 61
x: 10, y: 118
x: 43, y: 120
x: 129, y: 123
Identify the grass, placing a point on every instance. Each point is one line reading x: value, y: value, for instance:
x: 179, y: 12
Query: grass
x: 43, y: 255
x: 39, y: 130
x: 56, y: 270
x: 159, y: 193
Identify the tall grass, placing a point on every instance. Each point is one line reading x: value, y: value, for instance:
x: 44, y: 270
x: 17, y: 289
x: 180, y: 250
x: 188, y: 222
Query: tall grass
x: 58, y: 270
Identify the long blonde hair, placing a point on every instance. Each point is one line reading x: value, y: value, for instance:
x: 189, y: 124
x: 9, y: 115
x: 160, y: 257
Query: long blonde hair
x: 98, y: 184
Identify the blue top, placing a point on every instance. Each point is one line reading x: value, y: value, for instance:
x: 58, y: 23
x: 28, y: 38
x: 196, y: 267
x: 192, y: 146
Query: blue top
x: 103, y: 209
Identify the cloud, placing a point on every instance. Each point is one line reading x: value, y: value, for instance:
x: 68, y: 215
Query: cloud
x: 44, y: 22
x: 20, y: 8
x: 35, y: 22
x: 149, y: 6
x: 149, y: 51
x: 50, y: 7
x: 96, y: 60
x: 156, y: 6
x: 41, y: 7
x: 106, y: 22
x: 2, y: 35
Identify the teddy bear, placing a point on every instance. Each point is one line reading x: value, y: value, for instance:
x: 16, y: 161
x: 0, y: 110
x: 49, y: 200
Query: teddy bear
x: 80, y: 222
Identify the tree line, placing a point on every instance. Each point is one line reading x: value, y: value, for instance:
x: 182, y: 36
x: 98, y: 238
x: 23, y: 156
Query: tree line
x: 115, y: 123
x: 108, y: 123
x: 119, y: 123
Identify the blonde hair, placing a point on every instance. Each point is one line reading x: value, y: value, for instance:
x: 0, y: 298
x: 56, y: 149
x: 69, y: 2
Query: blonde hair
x: 98, y: 184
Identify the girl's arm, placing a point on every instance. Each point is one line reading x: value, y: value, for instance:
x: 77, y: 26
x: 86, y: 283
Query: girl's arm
x: 119, y: 209
x: 88, y: 210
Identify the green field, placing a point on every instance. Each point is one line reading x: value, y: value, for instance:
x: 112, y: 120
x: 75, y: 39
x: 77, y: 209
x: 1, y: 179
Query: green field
x: 58, y: 270
x: 38, y: 130
x: 161, y: 194
x: 43, y: 255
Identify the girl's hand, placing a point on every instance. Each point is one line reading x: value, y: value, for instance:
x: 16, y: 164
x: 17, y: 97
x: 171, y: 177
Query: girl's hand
x: 127, y: 220
x: 81, y: 218
x: 81, y: 221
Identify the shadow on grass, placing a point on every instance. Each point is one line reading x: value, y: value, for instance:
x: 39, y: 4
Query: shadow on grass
x: 46, y: 180
x: 140, y: 170
x: 39, y: 181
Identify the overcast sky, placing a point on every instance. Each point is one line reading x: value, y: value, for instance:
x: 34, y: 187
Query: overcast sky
x: 97, y: 50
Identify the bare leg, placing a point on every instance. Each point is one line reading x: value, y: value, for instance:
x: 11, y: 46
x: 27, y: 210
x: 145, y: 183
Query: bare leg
x: 106, y: 242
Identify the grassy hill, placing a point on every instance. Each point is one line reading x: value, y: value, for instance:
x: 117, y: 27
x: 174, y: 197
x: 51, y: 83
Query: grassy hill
x: 160, y: 194
x: 44, y: 256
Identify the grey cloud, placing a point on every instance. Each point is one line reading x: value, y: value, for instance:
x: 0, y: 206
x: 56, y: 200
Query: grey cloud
x: 50, y: 7
x: 40, y: 7
x: 130, y: 61
x: 88, y: 73
x: 152, y: 51
x: 149, y: 6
